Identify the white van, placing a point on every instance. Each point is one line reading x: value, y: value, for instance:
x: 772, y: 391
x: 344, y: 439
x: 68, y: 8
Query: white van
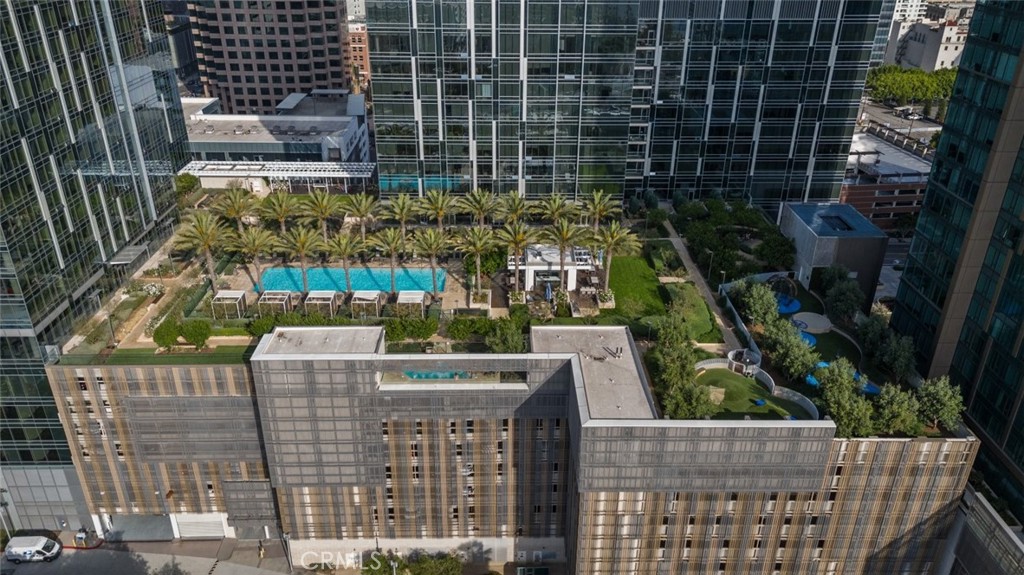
x: 31, y: 548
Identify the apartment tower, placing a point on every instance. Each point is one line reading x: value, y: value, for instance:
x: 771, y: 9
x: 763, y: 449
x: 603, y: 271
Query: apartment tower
x: 749, y: 100
x: 91, y: 135
x: 962, y: 293
x: 252, y: 54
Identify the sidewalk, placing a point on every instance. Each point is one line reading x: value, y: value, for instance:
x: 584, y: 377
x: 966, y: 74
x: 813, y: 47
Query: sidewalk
x: 731, y: 342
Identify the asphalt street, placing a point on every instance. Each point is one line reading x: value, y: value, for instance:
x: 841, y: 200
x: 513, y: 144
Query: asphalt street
x: 127, y: 562
x: 883, y: 115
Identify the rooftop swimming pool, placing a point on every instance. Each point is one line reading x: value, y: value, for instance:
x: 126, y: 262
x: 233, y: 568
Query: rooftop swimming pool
x: 362, y: 278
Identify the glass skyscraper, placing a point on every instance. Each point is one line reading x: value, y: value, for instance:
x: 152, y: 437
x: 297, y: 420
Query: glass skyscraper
x: 91, y: 135
x: 755, y: 99
x: 962, y: 293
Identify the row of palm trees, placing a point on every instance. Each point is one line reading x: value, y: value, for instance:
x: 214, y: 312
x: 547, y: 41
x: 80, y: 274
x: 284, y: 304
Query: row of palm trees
x: 324, y: 209
x: 211, y: 232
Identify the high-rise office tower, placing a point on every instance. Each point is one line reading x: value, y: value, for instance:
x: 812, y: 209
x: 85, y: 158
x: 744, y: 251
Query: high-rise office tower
x: 91, y: 134
x: 752, y: 100
x: 253, y: 54
x: 962, y: 294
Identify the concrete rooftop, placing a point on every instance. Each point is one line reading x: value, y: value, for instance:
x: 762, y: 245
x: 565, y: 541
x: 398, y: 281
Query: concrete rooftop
x: 891, y: 159
x: 835, y: 220
x: 316, y: 341
x: 612, y: 371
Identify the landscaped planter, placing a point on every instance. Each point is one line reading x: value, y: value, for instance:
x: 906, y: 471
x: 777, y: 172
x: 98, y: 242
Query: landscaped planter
x: 481, y: 300
x: 606, y: 300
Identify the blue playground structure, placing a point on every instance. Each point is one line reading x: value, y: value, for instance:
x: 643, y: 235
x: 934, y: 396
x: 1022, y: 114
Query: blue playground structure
x: 787, y: 304
x: 866, y: 388
x: 810, y: 339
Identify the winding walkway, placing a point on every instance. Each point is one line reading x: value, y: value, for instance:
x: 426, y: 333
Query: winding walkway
x: 731, y: 341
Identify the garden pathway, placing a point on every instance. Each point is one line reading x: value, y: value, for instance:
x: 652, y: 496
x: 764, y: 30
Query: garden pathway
x: 724, y: 325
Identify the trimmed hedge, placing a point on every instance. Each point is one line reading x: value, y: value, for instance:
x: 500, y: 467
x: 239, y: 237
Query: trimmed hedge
x: 399, y: 329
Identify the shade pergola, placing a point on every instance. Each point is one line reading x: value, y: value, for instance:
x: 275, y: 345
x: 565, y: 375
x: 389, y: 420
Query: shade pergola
x: 231, y: 302
x: 362, y: 301
x: 412, y: 299
x: 324, y: 301
x: 275, y: 301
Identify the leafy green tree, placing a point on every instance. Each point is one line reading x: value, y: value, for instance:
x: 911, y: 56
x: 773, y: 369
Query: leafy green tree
x: 302, y: 243
x: 363, y: 207
x: 832, y: 275
x: 432, y: 243
x: 480, y: 203
x: 205, y: 233
x: 185, y: 184
x: 254, y: 244
x: 794, y: 356
x: 905, y: 224
x: 438, y: 204
x: 896, y: 411
x: 195, y: 331
x: 346, y: 247
x: 851, y: 412
x: 506, y: 337
x: 760, y: 304
x: 873, y: 334
x: 166, y: 334
x: 941, y: 402
x: 844, y: 299
x: 435, y: 565
x: 391, y: 242
x: 940, y: 117
x: 898, y: 356
x: 615, y: 240
x: 477, y: 242
x: 598, y: 206
x: 776, y: 251
x: 688, y: 400
x: 280, y: 206
x: 380, y: 564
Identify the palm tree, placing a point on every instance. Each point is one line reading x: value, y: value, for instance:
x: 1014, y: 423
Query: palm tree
x: 254, y: 243
x: 203, y: 232
x: 480, y: 203
x: 516, y: 236
x: 280, y: 207
x: 598, y: 206
x: 365, y: 208
x: 565, y: 235
x: 512, y: 207
x: 302, y: 242
x: 391, y: 242
x: 401, y: 208
x: 438, y: 204
x: 433, y: 243
x: 477, y: 241
x: 615, y: 239
x: 234, y: 206
x: 320, y: 207
x: 554, y: 208
x: 345, y: 246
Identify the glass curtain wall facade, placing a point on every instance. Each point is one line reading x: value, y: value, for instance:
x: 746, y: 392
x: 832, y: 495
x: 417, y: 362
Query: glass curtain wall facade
x: 753, y: 100
x: 962, y: 293
x: 748, y: 100
x: 91, y: 135
x: 503, y: 95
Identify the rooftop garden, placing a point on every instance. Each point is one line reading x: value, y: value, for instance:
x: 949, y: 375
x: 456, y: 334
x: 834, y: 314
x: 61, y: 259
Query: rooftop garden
x: 854, y: 397
x: 737, y: 396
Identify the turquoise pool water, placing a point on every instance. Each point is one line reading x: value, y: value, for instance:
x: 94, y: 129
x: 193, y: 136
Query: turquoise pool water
x: 362, y: 278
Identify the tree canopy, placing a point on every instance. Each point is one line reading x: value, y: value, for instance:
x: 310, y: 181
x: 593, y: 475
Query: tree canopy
x: 850, y: 411
x: 897, y: 412
x: 906, y: 85
x: 941, y: 402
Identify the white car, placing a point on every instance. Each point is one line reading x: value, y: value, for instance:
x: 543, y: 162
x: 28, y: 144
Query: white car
x: 915, y: 117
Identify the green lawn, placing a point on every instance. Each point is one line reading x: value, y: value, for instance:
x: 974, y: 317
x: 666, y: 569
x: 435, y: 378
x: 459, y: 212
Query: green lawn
x: 701, y: 325
x: 740, y: 394
x: 225, y: 354
x: 831, y: 344
x: 637, y: 290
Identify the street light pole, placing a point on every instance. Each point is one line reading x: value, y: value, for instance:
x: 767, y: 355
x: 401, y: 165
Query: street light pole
x: 710, y: 262
x: 723, y: 278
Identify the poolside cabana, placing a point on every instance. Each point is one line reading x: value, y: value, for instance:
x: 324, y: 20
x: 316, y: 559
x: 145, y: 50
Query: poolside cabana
x: 231, y: 303
x: 326, y: 302
x: 541, y: 265
x: 414, y: 301
x: 276, y: 301
x: 365, y: 302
